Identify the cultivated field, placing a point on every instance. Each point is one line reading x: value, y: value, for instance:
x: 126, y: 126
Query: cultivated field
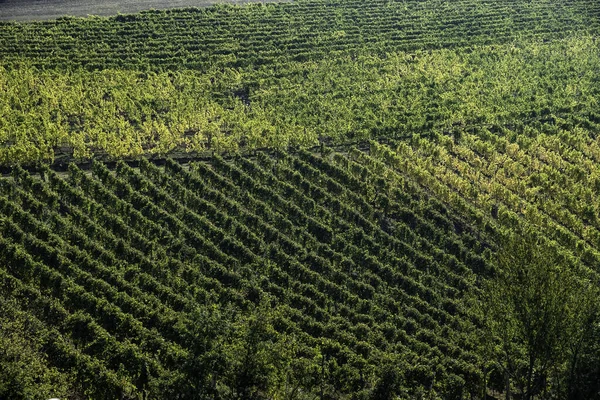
x: 317, y: 199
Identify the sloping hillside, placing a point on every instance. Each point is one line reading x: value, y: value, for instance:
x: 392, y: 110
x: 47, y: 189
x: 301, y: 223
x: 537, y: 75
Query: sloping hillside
x: 256, y: 274
x: 275, y: 273
x: 296, y: 74
x: 311, y: 200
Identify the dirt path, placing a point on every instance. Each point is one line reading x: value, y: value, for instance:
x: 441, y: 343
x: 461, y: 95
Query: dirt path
x: 32, y: 10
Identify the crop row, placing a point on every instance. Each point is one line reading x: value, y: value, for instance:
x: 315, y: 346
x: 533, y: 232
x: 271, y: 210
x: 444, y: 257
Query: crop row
x: 354, y: 257
x: 129, y: 254
x: 513, y: 177
x: 82, y: 114
x: 267, y: 34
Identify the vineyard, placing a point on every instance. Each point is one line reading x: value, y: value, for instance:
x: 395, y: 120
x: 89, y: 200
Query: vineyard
x: 324, y: 271
x: 281, y: 272
x: 293, y: 74
x: 313, y: 199
x: 274, y: 35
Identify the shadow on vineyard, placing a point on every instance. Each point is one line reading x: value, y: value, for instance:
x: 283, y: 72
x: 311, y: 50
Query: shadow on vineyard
x: 248, y: 278
x: 306, y: 275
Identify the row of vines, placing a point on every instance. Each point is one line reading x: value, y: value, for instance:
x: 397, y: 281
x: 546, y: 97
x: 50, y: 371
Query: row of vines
x: 262, y: 268
x: 50, y: 114
x: 285, y: 273
x: 259, y: 35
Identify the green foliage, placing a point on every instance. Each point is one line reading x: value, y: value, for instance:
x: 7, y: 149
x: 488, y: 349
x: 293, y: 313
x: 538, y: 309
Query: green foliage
x: 206, y: 283
x: 291, y: 275
x: 541, y: 310
x: 25, y: 372
x: 259, y: 278
x: 145, y: 100
x: 252, y: 36
x: 582, y: 379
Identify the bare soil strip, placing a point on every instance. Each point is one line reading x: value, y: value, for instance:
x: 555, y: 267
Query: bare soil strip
x: 35, y: 10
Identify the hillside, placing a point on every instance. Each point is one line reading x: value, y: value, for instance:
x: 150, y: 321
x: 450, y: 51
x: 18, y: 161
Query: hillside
x: 319, y: 276
x: 281, y: 272
x: 307, y: 200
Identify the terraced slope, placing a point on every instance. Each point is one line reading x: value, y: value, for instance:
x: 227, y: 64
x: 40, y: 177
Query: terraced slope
x: 321, y: 272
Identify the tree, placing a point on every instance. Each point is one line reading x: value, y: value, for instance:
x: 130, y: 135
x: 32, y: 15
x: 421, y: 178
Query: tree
x: 25, y: 370
x: 538, y: 309
x: 582, y: 382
